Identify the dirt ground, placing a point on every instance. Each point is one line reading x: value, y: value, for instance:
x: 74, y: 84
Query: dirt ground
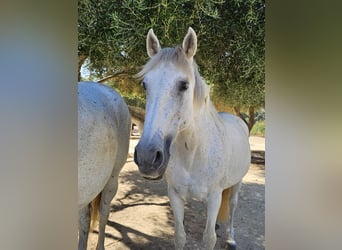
x: 141, y: 216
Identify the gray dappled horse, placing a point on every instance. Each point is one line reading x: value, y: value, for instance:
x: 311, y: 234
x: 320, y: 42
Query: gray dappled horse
x: 103, y: 140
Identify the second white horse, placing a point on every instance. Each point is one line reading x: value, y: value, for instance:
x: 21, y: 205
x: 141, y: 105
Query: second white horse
x: 204, y: 154
x: 103, y: 140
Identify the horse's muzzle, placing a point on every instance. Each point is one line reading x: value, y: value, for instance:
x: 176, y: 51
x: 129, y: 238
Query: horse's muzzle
x: 152, y: 160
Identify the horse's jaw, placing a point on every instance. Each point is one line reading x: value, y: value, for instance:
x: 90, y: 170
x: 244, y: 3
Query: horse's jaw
x: 150, y: 173
x: 153, y: 179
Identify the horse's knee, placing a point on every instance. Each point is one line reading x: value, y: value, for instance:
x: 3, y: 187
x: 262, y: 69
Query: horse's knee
x: 109, y: 191
x: 209, y: 240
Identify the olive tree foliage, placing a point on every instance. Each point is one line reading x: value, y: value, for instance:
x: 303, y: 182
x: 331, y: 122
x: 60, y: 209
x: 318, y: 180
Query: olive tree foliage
x: 234, y: 62
x: 230, y: 51
x: 112, y: 33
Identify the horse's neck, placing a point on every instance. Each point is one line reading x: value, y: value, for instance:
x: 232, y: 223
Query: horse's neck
x: 206, y: 118
x: 203, y: 130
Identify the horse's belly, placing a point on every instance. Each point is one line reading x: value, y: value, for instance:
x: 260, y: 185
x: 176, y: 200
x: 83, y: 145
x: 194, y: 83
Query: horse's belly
x: 103, y: 138
x: 95, y: 165
x: 92, y: 177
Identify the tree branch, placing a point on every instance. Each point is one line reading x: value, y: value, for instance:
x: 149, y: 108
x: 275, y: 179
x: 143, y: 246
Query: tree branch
x: 117, y: 73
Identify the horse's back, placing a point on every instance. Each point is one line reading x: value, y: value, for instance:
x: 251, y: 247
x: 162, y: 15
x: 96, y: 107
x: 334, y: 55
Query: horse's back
x: 235, y: 122
x: 238, y: 138
x: 103, y: 138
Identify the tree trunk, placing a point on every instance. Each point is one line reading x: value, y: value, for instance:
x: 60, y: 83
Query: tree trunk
x: 81, y: 60
x: 238, y: 113
x: 251, y: 120
x: 116, y: 74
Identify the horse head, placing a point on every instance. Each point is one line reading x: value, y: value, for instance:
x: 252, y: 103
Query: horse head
x: 169, y: 79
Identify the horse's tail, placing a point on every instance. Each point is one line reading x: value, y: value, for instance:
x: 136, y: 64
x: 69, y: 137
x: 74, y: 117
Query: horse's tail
x: 95, y: 207
x: 224, y: 207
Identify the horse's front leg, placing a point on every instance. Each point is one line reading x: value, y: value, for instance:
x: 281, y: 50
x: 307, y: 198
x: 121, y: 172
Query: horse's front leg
x: 209, y: 235
x: 177, y: 205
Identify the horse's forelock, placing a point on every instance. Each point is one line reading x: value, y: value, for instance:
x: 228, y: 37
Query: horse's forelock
x: 178, y: 57
x: 173, y: 55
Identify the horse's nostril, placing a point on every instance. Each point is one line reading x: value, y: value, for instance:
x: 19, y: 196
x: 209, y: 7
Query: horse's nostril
x: 158, y: 159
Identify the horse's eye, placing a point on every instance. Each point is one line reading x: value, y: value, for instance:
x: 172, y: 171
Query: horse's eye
x: 143, y: 85
x: 183, y: 85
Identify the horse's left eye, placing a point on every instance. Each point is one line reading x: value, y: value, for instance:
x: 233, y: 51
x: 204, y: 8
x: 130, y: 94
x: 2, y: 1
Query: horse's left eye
x: 183, y: 85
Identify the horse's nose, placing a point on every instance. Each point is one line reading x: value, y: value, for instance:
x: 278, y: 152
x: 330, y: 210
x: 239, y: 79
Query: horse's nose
x: 152, y: 159
x: 148, y: 158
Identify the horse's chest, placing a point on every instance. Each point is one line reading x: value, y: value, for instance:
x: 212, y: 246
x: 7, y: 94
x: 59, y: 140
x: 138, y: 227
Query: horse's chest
x: 196, y: 175
x: 188, y: 185
x: 198, y: 192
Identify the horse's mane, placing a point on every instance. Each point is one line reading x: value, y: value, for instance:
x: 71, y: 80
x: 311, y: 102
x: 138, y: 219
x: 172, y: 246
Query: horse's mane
x: 177, y: 57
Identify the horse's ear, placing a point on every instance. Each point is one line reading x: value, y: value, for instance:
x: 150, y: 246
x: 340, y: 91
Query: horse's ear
x: 152, y: 43
x: 190, y: 43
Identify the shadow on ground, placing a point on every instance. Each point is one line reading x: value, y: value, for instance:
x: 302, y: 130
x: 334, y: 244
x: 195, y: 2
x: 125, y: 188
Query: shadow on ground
x: 141, y: 216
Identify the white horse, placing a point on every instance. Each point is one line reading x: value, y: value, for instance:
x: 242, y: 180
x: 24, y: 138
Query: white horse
x: 204, y: 154
x: 103, y: 140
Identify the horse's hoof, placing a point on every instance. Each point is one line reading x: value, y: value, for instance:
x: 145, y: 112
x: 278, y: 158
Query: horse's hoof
x: 230, y: 246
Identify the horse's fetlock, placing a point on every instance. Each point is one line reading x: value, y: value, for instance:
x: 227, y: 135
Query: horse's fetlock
x: 230, y: 245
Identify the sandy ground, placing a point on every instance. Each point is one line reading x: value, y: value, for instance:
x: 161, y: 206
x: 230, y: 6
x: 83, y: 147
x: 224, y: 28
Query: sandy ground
x: 141, y: 216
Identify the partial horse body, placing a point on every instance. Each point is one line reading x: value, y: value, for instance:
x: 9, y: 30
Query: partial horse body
x: 204, y: 154
x: 103, y: 140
